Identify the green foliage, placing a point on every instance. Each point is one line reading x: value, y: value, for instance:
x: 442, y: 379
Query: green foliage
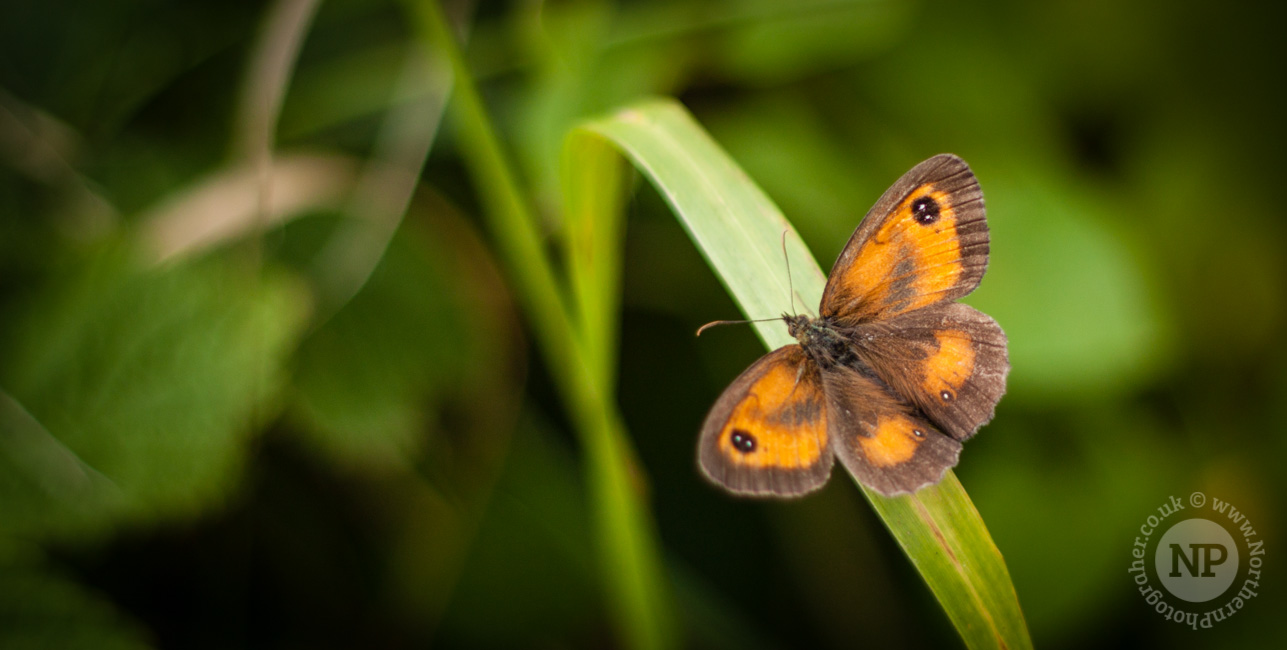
x: 353, y: 374
x: 575, y: 349
x: 368, y: 380
x: 132, y: 393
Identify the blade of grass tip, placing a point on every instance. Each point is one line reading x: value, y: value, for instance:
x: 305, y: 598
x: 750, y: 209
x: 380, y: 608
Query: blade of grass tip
x: 630, y: 555
x: 739, y: 232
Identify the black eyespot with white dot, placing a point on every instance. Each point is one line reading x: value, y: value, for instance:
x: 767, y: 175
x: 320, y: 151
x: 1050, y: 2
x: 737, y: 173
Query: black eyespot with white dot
x: 947, y: 396
x: 742, y: 441
x: 918, y: 433
x: 925, y: 210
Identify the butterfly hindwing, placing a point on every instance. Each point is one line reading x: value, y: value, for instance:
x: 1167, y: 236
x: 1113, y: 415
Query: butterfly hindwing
x: 882, y: 440
x: 949, y: 360
x: 767, y: 434
x: 925, y: 241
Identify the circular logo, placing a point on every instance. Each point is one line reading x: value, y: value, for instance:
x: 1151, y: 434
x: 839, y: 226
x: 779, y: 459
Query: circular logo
x: 1196, y: 560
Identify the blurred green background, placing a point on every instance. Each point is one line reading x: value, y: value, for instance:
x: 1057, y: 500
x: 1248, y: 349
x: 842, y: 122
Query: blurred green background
x: 316, y: 417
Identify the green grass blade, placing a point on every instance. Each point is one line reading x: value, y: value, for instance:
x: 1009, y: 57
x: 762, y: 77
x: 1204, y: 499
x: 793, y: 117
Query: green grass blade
x: 592, y: 209
x: 576, y: 348
x: 593, y: 213
x: 735, y: 226
x: 740, y: 232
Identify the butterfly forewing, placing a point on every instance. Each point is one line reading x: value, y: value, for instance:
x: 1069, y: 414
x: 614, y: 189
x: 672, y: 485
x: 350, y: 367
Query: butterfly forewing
x: 767, y: 434
x: 925, y: 241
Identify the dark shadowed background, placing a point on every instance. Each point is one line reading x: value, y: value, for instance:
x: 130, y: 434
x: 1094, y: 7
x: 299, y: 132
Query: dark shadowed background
x: 236, y: 419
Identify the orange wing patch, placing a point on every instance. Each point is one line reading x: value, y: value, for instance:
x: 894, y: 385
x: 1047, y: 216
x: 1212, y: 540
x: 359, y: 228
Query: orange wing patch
x: 894, y: 442
x: 884, y: 443
x: 768, y: 433
x: 924, y: 242
x: 911, y: 261
x: 947, y: 370
x: 929, y: 252
x: 948, y: 360
x: 780, y: 423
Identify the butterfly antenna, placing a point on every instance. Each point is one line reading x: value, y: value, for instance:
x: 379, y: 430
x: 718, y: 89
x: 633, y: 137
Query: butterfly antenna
x: 790, y: 289
x: 711, y: 324
x: 790, y: 284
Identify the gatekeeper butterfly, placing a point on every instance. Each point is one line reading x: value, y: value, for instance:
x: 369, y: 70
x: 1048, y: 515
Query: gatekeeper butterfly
x: 893, y: 374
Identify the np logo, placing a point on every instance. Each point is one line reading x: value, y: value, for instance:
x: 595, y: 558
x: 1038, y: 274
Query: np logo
x: 1195, y: 565
x: 1197, y: 560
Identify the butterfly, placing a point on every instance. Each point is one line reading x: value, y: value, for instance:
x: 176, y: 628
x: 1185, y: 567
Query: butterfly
x: 893, y: 374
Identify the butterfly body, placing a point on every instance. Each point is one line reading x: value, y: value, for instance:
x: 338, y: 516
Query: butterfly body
x: 821, y: 340
x: 892, y: 375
